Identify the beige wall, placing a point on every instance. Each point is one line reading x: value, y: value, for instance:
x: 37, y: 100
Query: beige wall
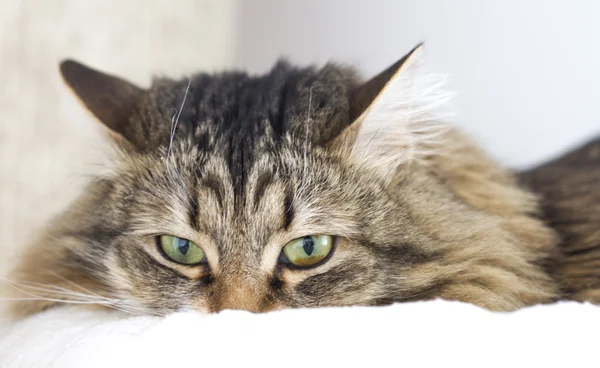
x: 47, y: 142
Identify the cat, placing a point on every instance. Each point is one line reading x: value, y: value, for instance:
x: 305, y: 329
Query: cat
x: 303, y: 187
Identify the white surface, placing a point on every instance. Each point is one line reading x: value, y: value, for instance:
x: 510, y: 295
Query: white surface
x: 428, y: 334
x: 526, y: 72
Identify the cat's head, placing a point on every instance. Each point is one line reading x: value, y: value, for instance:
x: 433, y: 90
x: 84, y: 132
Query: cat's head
x: 298, y: 188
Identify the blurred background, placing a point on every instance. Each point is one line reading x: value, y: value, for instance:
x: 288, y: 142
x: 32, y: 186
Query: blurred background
x: 526, y: 72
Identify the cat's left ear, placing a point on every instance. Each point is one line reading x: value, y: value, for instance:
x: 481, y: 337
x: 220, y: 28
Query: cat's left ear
x: 111, y: 99
x: 395, y: 116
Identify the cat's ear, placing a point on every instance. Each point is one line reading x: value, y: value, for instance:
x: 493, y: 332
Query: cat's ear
x: 111, y: 99
x: 395, y: 117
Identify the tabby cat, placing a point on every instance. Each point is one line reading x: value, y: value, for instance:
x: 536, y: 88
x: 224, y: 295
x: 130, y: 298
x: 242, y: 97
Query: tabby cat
x: 306, y: 187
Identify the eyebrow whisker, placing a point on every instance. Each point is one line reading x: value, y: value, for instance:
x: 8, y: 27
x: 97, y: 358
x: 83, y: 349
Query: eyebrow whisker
x: 310, y: 95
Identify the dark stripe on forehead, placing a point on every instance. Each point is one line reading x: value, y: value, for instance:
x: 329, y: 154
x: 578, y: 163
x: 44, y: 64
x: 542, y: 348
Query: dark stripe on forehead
x: 262, y: 183
x: 214, y: 184
x: 288, y: 208
x: 239, y: 161
x: 244, y: 169
x: 193, y: 205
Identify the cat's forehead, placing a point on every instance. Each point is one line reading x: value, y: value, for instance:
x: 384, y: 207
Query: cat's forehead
x: 273, y: 105
x: 194, y: 196
x: 240, y: 117
x: 246, y: 158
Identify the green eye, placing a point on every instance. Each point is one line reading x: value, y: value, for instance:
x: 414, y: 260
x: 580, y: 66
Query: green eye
x: 308, y: 251
x: 181, y: 250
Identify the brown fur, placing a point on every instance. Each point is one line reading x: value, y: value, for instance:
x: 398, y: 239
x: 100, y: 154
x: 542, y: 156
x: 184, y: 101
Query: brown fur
x: 411, y: 223
x: 570, y: 199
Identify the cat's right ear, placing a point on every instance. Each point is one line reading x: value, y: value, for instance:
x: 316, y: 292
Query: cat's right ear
x: 111, y: 99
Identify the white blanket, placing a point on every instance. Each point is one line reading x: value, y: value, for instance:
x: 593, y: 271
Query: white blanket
x: 434, y: 333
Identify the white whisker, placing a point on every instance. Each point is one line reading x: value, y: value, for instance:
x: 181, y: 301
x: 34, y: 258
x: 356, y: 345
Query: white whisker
x: 176, y: 179
x: 310, y: 93
x: 175, y: 119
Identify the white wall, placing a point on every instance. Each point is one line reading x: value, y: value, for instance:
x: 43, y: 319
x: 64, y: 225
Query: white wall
x: 527, y: 72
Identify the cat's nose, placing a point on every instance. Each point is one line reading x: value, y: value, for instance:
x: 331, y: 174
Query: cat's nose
x: 237, y: 295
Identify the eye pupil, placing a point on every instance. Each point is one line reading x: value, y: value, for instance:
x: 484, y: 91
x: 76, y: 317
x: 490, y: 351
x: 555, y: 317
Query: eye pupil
x: 183, y: 246
x: 308, y: 245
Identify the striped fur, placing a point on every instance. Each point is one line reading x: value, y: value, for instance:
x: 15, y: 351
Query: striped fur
x: 419, y: 211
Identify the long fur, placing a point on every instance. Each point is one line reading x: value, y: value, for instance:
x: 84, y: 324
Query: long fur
x: 417, y: 209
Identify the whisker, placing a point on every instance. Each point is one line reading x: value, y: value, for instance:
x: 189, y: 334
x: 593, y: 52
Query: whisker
x: 50, y: 289
x: 175, y: 120
x: 310, y: 93
x: 72, y: 283
x: 38, y: 297
x: 176, y: 179
x: 53, y: 293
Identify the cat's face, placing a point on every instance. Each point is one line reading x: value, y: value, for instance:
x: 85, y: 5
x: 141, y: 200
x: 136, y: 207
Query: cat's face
x: 242, y: 235
x: 301, y: 188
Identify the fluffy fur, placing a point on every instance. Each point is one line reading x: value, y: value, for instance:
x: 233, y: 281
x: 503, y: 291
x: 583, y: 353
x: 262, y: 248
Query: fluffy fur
x: 570, y: 201
x: 418, y: 210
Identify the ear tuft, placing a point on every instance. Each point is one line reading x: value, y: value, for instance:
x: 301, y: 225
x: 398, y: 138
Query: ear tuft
x: 403, y: 120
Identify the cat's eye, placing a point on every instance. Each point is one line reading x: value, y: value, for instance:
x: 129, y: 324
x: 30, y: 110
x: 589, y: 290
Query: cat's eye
x: 181, y: 250
x: 308, y: 251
